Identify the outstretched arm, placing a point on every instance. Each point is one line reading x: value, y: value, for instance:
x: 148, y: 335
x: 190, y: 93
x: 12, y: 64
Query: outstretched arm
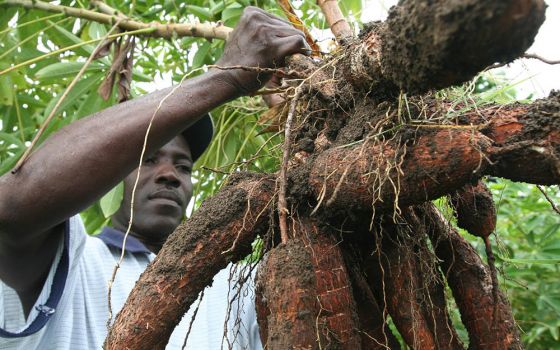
x: 85, y: 159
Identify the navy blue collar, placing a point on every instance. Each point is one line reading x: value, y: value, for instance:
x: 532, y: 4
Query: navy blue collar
x: 57, y: 288
x: 111, y: 237
x: 114, y: 238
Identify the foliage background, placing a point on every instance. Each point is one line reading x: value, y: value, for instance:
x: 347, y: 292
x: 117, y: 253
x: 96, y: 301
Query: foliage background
x: 528, y: 234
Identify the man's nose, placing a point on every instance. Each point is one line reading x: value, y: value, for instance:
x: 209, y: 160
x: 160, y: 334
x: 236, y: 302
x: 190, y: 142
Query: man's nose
x: 167, y: 174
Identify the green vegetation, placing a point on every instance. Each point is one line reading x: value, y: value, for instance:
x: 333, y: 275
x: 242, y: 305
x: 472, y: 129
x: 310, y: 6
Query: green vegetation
x: 528, y: 234
x: 528, y: 247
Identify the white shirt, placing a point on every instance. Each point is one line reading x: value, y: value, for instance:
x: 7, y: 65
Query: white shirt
x: 79, y: 319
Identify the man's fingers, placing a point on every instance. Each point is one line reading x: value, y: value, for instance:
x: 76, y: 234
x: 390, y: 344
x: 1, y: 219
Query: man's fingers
x: 275, y: 81
x: 261, y: 40
x: 259, y: 17
x: 280, y: 27
x: 258, y: 11
x: 291, y: 45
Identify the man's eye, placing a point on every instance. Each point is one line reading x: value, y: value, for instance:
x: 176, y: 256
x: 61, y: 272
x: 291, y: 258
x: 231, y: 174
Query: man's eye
x: 150, y: 160
x: 184, y: 168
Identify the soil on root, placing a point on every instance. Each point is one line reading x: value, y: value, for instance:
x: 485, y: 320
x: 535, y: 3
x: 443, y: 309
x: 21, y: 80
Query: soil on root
x: 538, y: 121
x: 474, y: 209
x: 452, y: 41
x: 286, y: 297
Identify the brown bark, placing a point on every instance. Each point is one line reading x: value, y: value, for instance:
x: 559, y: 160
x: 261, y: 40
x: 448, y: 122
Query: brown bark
x: 304, y: 295
x: 433, y: 289
x: 489, y: 322
x: 374, y: 331
x: 298, y: 23
x: 475, y: 209
x: 462, y: 38
x: 436, y: 44
x: 159, y: 30
x: 287, y: 298
x: 439, y: 162
x: 526, y: 139
x: 520, y: 142
x: 221, y: 231
x: 422, y: 163
x: 338, y: 24
x: 436, y: 313
x: 414, y: 298
x: 337, y: 319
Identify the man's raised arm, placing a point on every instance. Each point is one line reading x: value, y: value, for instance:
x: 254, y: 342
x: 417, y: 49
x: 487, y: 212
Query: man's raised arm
x: 85, y: 159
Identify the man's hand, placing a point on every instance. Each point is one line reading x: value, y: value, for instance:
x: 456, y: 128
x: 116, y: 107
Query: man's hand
x: 260, y: 40
x: 272, y: 100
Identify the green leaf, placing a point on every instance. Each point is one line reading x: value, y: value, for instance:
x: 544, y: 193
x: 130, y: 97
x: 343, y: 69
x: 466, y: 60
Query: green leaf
x: 201, y: 12
x: 137, y: 75
x: 355, y: 6
x: 65, y: 69
x: 201, y: 54
x: 15, y: 146
x: 111, y: 202
x: 93, y: 219
x: 6, y: 15
x: 11, y: 162
x: 554, y: 246
x: 231, y: 14
x: 78, y: 91
x: 25, y: 98
x: 91, y: 104
x: 553, y: 302
x: 6, y: 90
x: 554, y: 332
x: 96, y: 30
x: 9, y: 139
x: 217, y: 8
x: 64, y: 38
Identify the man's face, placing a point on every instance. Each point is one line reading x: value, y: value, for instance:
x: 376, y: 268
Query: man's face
x: 164, y: 189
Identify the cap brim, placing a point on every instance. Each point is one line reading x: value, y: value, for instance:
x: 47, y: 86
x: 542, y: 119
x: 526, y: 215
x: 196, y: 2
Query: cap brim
x: 199, y: 135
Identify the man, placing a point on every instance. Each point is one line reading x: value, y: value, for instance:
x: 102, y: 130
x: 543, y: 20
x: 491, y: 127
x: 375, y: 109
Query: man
x: 47, y: 263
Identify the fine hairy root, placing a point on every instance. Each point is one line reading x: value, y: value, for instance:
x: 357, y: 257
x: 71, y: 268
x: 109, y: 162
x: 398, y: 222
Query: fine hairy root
x: 374, y: 330
x: 517, y: 142
x: 411, y: 290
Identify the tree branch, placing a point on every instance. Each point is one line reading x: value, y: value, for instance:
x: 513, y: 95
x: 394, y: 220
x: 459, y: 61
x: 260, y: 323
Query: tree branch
x: 60, y: 100
x: 339, y: 26
x: 552, y: 204
x: 283, y: 176
x: 167, y: 31
x: 106, y: 9
x: 71, y: 47
x: 542, y: 59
